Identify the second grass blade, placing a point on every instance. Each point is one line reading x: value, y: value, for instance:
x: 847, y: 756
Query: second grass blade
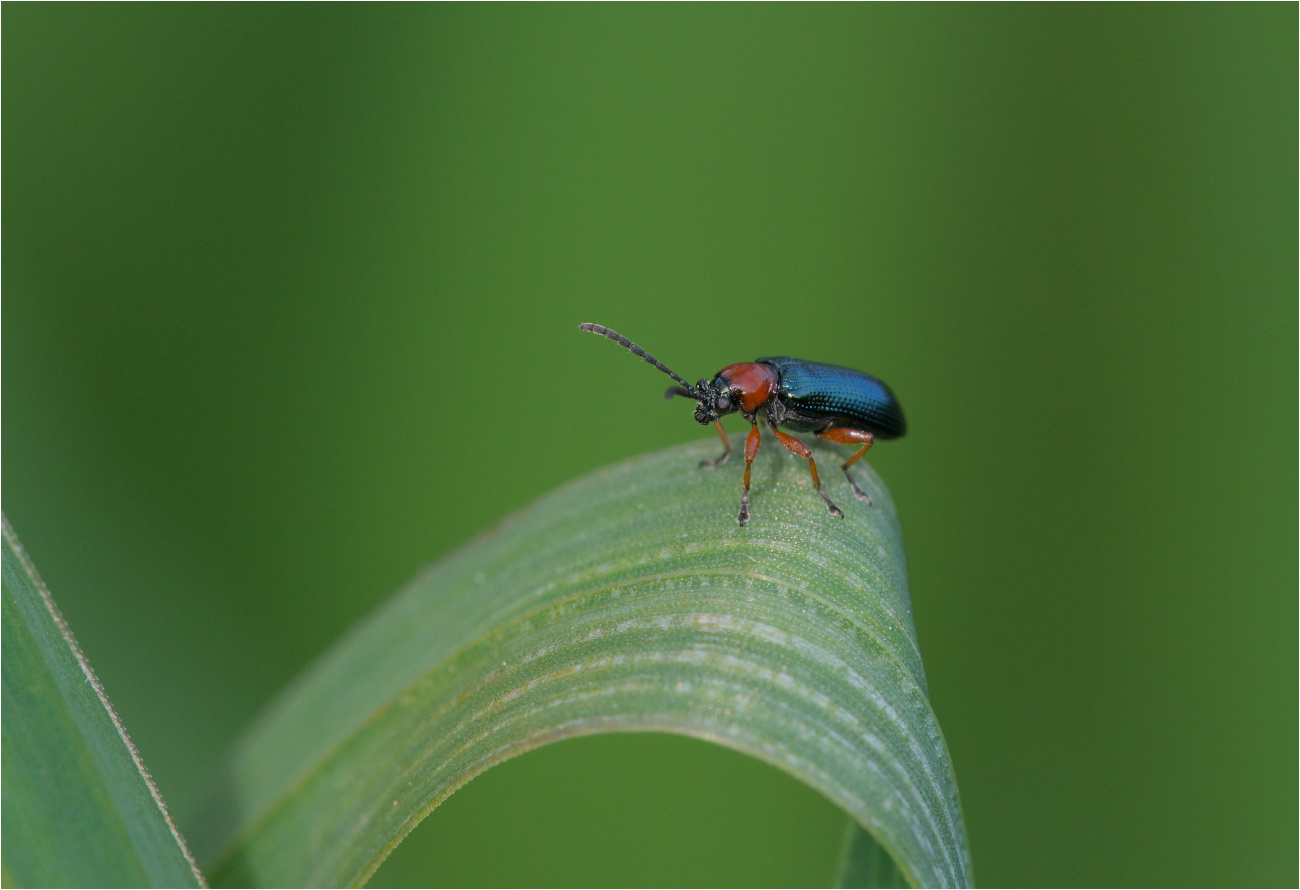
x: 79, y: 808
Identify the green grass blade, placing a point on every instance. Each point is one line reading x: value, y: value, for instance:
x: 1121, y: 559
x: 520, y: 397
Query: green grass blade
x: 628, y: 600
x: 79, y: 808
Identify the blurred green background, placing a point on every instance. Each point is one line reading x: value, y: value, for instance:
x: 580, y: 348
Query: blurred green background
x: 291, y: 297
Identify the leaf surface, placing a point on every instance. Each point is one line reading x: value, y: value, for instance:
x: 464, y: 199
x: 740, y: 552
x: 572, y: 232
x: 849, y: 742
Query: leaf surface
x: 628, y: 600
x: 79, y: 808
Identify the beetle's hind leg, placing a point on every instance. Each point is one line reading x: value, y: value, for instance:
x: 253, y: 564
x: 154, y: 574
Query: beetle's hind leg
x: 794, y: 446
x: 726, y: 444
x: 846, y: 436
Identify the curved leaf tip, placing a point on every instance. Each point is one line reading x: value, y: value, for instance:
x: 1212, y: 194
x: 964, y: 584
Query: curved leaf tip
x: 627, y: 600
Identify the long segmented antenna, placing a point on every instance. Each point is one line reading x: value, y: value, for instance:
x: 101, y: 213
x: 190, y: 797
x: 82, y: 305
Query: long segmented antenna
x: 638, y: 352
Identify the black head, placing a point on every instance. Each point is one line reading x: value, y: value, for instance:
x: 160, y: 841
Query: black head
x: 715, y: 398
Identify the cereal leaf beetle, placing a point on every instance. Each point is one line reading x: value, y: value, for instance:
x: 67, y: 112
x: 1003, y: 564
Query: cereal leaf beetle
x: 838, y: 404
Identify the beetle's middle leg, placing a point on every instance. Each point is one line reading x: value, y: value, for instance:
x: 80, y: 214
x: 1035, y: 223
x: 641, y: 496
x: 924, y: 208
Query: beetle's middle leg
x: 794, y: 446
x: 726, y: 445
x: 846, y: 436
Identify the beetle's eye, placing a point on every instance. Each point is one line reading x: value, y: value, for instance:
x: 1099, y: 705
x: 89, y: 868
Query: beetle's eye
x: 724, y: 403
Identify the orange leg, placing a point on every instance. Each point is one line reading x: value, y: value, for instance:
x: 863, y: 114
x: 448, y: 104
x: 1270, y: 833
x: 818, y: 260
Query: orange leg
x: 794, y: 446
x: 846, y: 436
x: 751, y: 452
x: 726, y: 444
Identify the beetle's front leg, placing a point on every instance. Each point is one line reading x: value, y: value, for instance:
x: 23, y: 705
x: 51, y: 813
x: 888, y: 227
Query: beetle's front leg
x: 726, y: 444
x: 751, y: 452
x: 845, y: 436
x: 794, y: 446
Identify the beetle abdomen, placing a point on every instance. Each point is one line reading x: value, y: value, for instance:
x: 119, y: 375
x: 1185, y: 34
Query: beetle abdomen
x: 842, y: 396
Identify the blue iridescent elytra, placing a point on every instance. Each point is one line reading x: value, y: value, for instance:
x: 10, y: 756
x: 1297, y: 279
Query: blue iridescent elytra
x: 818, y: 396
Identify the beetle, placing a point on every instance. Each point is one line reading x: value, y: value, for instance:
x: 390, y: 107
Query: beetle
x: 837, y: 404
